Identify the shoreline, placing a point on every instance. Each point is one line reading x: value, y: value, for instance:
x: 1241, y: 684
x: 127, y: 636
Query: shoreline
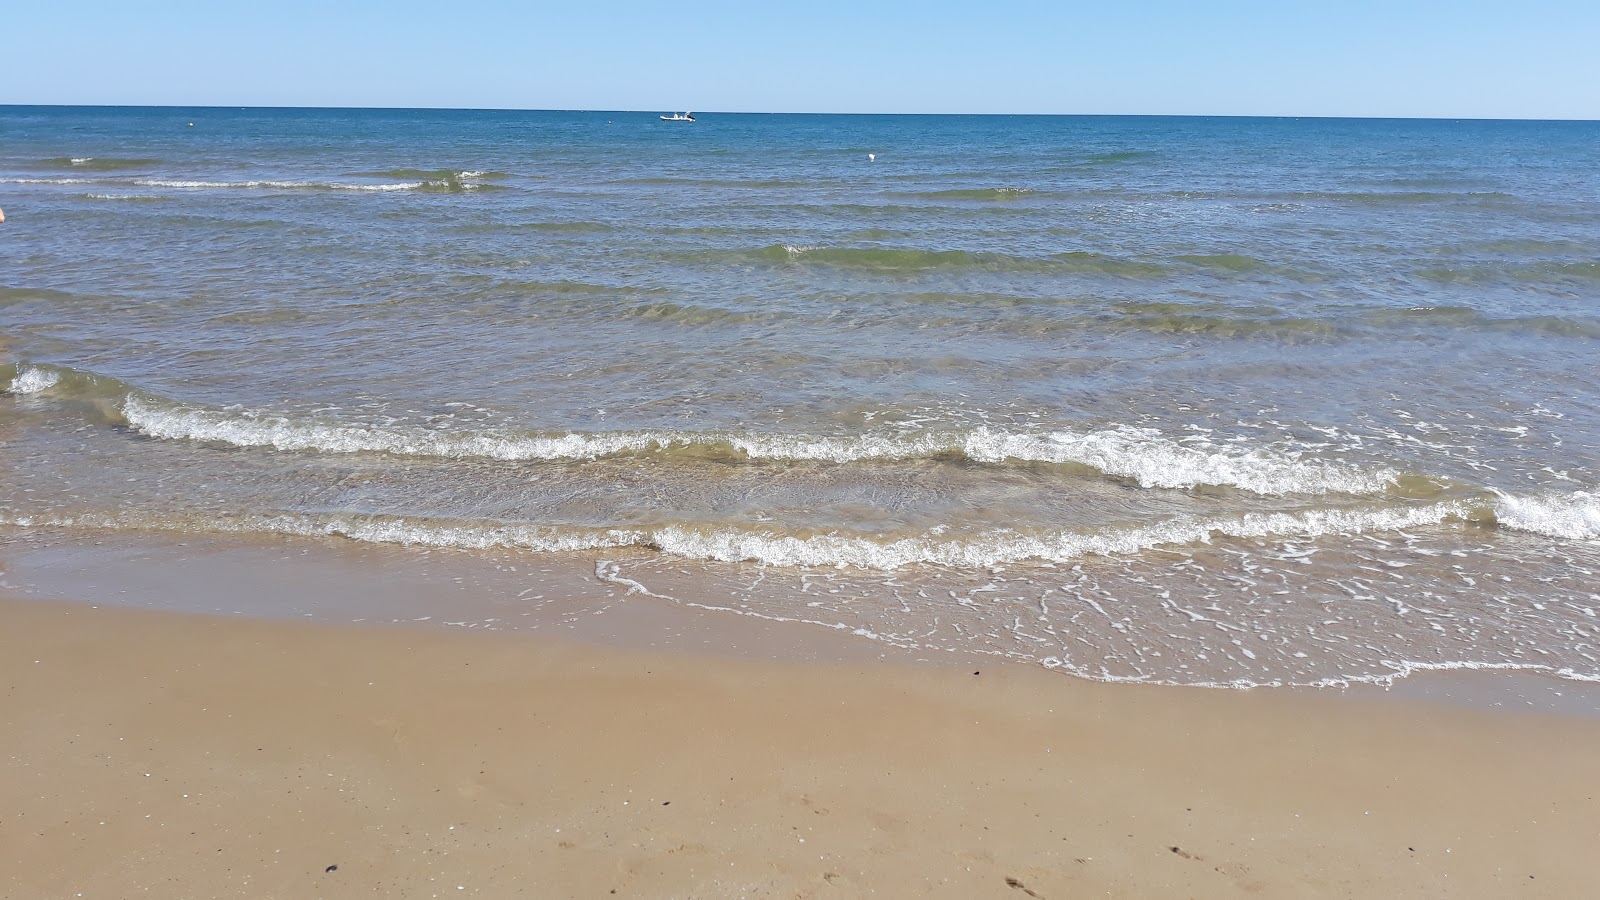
x: 236, y: 756
x: 334, y: 581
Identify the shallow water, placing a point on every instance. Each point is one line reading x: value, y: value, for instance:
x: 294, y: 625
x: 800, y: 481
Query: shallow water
x: 1199, y: 401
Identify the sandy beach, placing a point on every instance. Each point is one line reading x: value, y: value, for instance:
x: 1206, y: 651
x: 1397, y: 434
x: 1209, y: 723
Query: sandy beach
x: 160, y: 754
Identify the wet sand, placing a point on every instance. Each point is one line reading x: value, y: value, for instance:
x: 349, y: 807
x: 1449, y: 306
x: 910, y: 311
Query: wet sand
x: 161, y: 754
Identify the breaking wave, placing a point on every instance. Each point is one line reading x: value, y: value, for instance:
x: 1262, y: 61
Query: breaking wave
x: 32, y: 379
x: 989, y: 195
x: 437, y: 186
x: 828, y: 550
x: 1571, y: 517
x: 434, y: 175
x: 1139, y: 454
x: 97, y: 163
x: 423, y: 182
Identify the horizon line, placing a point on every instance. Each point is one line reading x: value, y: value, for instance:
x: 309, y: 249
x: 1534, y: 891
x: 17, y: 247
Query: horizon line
x: 652, y: 111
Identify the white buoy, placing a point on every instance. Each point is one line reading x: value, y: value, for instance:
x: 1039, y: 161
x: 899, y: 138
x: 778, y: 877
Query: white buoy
x: 872, y: 157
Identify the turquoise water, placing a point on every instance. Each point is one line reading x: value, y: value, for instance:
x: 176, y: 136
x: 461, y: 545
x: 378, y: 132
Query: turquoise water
x: 1189, y: 400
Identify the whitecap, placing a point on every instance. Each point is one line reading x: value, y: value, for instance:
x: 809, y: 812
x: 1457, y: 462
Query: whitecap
x: 1141, y: 455
x: 1573, y: 517
x: 33, y: 379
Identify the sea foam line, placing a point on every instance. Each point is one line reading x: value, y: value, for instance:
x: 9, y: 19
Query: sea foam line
x: 831, y: 550
x: 283, y: 185
x: 1140, y: 454
x: 1393, y: 671
x: 419, y: 533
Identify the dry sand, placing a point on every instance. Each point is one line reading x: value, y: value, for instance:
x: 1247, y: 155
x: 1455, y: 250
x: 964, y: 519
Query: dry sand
x: 164, y: 755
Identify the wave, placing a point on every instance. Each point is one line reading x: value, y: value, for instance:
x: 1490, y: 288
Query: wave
x: 1139, y: 455
x: 1045, y: 314
x: 1391, y: 672
x: 1520, y: 247
x: 719, y: 182
x: 515, y: 287
x: 752, y: 545
x: 62, y: 381
x: 1572, y: 517
x: 1545, y: 273
x: 1118, y: 156
x: 1004, y: 547
x: 97, y: 163
x: 280, y: 185
x: 434, y: 175
x: 1467, y: 317
x: 14, y: 295
x: 440, y: 186
x: 420, y: 181
x: 1226, y: 262
x: 1401, y: 198
x: 1219, y: 324
x: 554, y: 227
x: 1588, y: 271
x: 32, y: 379
x: 1097, y: 263
x: 692, y: 314
x: 982, y: 195
x: 897, y: 259
x: 879, y: 212
x: 901, y: 259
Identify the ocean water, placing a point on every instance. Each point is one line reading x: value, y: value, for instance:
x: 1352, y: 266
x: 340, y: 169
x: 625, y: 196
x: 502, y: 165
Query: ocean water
x: 1180, y: 400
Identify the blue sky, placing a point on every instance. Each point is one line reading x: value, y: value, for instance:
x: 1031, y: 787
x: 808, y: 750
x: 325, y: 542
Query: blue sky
x: 1534, y: 59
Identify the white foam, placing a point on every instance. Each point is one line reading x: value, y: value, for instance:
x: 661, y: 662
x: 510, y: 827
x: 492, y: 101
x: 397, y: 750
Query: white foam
x: 46, y: 181
x: 283, y: 185
x: 1000, y: 547
x: 543, y: 539
x: 1142, y: 455
x: 372, y: 530
x: 833, y: 550
x: 1393, y: 672
x: 246, y: 429
x: 33, y: 379
x: 1573, y: 517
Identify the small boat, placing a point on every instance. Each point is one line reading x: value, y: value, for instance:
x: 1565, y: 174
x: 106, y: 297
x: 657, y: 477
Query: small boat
x: 675, y: 117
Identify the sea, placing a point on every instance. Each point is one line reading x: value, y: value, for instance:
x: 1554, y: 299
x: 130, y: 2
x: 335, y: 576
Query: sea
x: 1194, y: 401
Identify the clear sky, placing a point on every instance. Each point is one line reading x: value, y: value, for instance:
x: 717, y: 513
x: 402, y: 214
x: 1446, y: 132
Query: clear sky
x: 1531, y: 59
